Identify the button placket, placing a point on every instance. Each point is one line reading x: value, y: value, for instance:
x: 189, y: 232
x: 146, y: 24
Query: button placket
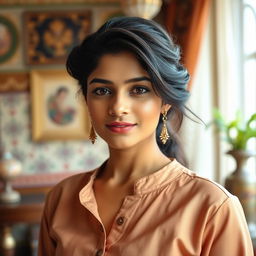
x: 129, y: 206
x: 120, y: 220
x: 99, y: 252
x: 101, y: 244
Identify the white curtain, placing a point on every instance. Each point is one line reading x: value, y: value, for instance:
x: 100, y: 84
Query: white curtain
x: 216, y: 84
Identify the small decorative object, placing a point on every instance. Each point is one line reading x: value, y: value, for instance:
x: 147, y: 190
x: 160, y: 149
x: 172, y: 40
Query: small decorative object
x: 50, y: 36
x: 8, y: 242
x: 9, y: 169
x: 242, y: 181
x: 147, y: 9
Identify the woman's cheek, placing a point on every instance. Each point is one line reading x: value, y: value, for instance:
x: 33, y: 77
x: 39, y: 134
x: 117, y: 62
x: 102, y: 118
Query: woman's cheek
x: 150, y: 108
x: 94, y: 112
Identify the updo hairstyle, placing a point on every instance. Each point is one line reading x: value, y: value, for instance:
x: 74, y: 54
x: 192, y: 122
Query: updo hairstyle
x: 157, y: 54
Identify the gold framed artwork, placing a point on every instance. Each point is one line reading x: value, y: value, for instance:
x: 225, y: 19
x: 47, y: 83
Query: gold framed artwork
x: 58, y: 111
x: 8, y: 39
x: 51, y: 35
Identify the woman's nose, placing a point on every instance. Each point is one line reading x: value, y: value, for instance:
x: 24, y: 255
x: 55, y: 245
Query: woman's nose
x: 119, y: 106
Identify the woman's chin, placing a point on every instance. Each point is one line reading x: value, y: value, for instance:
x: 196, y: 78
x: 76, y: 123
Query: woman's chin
x: 120, y: 145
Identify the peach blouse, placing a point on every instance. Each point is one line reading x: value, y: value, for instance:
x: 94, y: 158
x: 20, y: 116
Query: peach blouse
x: 172, y: 212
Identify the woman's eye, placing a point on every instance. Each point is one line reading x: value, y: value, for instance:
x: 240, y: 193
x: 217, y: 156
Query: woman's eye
x: 101, y: 91
x: 140, y: 90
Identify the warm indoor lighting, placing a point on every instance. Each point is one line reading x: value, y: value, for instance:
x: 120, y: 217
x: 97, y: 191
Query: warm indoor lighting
x: 147, y: 9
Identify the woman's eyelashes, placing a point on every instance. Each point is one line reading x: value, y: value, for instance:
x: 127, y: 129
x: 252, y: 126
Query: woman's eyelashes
x: 100, y: 91
x: 139, y: 90
x: 135, y: 90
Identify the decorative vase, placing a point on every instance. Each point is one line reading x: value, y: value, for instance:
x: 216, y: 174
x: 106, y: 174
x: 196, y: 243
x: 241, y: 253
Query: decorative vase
x: 9, y: 169
x: 242, y: 183
x: 7, y: 242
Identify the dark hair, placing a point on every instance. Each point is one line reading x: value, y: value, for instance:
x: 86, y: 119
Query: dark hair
x: 158, y: 55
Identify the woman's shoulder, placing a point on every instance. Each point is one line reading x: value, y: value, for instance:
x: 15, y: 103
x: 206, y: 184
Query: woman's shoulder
x: 203, y: 196
x: 205, y: 188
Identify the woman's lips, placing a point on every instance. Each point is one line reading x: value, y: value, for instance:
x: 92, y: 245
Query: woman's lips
x: 120, y: 127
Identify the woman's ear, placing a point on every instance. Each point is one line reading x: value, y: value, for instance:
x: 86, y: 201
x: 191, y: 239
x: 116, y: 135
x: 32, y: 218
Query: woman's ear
x: 165, y: 108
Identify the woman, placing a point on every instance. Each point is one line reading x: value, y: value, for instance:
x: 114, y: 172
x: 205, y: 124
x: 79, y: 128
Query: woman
x: 142, y: 200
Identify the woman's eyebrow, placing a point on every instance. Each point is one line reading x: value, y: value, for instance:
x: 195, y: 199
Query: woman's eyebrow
x: 138, y: 79
x: 132, y: 80
x: 101, y: 81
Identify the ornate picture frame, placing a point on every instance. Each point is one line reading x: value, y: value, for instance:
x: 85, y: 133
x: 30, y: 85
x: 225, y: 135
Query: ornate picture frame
x: 50, y: 35
x: 8, y: 39
x: 58, y: 111
x: 14, y: 82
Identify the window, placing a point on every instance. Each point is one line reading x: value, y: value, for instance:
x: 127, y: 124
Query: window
x: 248, y: 36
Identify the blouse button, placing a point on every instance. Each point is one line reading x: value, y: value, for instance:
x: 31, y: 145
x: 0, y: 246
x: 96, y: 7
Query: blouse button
x: 120, y: 221
x: 99, y: 252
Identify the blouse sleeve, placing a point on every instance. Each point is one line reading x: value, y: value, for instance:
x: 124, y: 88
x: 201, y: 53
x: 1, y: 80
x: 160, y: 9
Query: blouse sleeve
x: 47, y: 245
x: 227, y: 232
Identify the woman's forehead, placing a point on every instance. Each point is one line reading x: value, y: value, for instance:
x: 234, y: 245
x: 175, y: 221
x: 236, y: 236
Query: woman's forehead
x: 123, y: 63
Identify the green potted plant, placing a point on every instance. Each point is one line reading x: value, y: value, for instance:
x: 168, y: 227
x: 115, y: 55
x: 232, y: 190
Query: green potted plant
x: 241, y: 182
x: 236, y: 132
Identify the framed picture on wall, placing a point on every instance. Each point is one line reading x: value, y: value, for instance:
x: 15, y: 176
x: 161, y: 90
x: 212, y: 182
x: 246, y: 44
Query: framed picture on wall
x: 8, y: 39
x: 50, y: 35
x: 58, y: 111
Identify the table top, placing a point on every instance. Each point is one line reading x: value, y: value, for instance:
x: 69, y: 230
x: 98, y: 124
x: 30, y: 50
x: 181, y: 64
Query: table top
x: 28, y: 210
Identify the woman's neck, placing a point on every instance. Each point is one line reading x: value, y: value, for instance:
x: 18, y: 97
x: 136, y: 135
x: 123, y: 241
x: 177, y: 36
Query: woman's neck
x: 128, y: 165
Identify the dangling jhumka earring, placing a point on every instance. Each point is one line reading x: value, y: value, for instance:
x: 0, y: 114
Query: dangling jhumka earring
x: 92, y: 136
x: 164, y: 136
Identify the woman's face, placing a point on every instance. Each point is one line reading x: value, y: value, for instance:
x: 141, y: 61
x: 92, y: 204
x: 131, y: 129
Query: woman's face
x: 123, y: 106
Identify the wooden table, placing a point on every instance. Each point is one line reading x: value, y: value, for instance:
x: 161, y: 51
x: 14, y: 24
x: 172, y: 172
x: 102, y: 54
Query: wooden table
x: 28, y: 210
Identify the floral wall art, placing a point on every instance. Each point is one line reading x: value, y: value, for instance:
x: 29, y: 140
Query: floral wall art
x: 43, y: 157
x: 50, y: 35
x: 36, y: 37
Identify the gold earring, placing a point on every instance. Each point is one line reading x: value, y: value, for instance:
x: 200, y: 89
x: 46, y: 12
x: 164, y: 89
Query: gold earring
x: 164, y: 136
x: 92, y: 136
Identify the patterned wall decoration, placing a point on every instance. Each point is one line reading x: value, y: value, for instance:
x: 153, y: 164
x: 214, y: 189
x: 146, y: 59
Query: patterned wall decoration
x: 60, y: 2
x: 8, y: 39
x: 56, y: 157
x: 50, y: 35
x: 14, y: 81
x: 52, y: 157
x: 10, y: 44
